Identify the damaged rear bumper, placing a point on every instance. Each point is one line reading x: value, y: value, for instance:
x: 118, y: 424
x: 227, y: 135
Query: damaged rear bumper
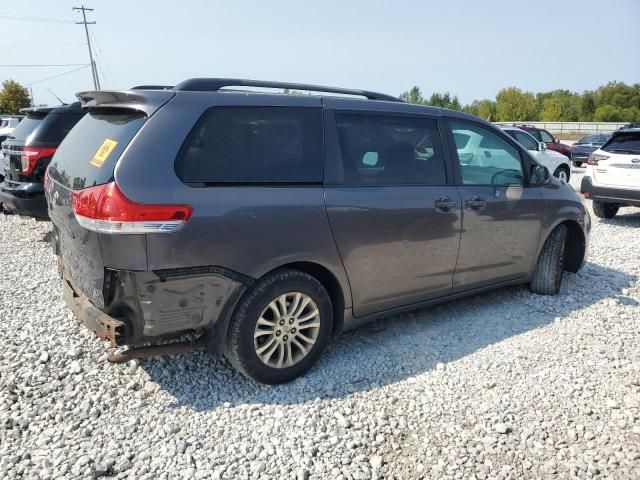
x: 145, y: 306
x: 102, y: 325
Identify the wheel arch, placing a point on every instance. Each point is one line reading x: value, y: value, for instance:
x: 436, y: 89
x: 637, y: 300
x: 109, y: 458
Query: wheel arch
x: 329, y: 281
x: 575, y: 247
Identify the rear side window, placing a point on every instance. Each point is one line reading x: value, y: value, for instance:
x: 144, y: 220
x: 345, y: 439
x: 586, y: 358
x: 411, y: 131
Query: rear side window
x: 623, y: 143
x: 389, y: 150
x: 56, y: 126
x: 239, y: 145
x: 27, y: 126
x: 89, y: 153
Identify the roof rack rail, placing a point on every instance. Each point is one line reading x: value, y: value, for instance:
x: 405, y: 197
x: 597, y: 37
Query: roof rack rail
x: 152, y: 87
x: 215, y: 84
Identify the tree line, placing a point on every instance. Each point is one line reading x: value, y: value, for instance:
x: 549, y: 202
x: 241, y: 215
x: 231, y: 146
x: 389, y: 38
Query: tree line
x: 613, y: 102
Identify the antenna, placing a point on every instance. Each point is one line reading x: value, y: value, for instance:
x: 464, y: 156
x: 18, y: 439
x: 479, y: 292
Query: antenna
x: 61, y: 102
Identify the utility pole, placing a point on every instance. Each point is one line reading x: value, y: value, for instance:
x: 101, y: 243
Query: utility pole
x: 94, y: 70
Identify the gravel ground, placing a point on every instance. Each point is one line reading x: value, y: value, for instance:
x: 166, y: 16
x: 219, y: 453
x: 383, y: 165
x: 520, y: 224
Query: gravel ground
x: 501, y: 385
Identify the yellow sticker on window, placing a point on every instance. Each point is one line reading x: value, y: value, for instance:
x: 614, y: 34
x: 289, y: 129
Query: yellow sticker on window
x: 103, y: 152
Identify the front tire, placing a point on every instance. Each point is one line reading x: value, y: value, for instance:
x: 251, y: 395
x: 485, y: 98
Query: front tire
x: 280, y: 327
x: 562, y: 173
x: 605, y: 210
x: 547, y: 276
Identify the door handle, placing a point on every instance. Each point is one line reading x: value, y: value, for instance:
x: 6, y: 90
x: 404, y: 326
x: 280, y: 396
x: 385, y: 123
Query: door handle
x: 475, y: 203
x: 444, y: 204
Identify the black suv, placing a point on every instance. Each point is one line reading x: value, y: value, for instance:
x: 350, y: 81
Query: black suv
x: 268, y: 222
x: 28, y: 151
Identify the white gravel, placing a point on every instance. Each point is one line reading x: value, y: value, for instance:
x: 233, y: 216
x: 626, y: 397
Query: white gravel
x: 501, y: 385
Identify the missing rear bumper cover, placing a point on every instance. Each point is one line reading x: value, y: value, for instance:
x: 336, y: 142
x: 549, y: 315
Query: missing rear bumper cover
x: 102, y: 325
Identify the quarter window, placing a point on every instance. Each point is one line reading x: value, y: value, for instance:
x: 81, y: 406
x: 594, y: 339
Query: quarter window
x: 486, y: 158
x: 389, y: 150
x: 254, y: 145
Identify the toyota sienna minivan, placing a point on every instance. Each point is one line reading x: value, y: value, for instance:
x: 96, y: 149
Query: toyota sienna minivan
x: 264, y: 223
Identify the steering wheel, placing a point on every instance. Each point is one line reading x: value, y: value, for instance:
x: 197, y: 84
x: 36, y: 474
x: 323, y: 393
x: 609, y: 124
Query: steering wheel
x: 500, y: 172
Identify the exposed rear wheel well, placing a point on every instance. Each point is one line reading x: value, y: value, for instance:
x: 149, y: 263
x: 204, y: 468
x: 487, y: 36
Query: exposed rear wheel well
x: 574, y: 247
x: 329, y: 282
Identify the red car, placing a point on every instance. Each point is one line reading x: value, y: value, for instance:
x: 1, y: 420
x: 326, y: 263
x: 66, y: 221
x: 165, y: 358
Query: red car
x: 543, y: 135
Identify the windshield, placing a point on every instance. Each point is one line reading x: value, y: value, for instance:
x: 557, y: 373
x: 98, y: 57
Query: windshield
x: 600, y: 138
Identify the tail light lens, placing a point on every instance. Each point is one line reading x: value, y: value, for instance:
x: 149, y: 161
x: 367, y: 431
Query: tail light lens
x: 29, y: 157
x: 594, y: 158
x: 105, y: 209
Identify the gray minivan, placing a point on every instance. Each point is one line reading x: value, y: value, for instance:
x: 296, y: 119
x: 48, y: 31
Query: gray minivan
x: 266, y: 222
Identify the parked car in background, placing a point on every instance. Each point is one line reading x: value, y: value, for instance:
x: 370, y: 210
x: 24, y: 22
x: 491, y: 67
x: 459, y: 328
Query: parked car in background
x: 554, y: 161
x: 612, y: 179
x: 630, y: 125
x: 542, y: 135
x: 28, y: 151
x: 581, y: 150
x: 7, y: 124
x: 268, y: 222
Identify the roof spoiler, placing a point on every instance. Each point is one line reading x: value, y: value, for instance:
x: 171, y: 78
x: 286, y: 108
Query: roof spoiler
x: 215, y: 84
x: 143, y: 101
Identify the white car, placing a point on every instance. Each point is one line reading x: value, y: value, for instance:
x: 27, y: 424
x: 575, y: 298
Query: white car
x: 554, y: 161
x: 7, y: 124
x: 612, y: 179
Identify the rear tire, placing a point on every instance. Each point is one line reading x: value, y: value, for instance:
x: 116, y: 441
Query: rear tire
x: 562, y: 173
x: 278, y: 302
x: 547, y: 276
x: 605, y: 210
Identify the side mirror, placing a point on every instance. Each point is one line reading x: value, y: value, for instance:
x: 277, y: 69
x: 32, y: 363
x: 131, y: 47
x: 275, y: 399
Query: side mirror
x: 540, y: 175
x: 542, y: 146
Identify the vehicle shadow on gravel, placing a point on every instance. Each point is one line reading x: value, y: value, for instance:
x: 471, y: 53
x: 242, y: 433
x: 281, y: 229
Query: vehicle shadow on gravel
x: 393, y: 349
x: 623, y: 219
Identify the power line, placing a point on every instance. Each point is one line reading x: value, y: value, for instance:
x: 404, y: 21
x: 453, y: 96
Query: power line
x: 45, y: 65
x: 94, y: 70
x: 56, y: 76
x: 40, y: 45
x: 30, y: 18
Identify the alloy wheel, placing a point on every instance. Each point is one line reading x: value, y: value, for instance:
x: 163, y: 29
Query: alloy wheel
x: 287, y: 330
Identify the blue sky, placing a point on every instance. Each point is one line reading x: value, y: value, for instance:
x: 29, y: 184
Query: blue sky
x: 469, y: 48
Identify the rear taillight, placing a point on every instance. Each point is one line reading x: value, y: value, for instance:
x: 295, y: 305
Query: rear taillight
x: 105, y: 209
x: 29, y: 157
x: 594, y: 158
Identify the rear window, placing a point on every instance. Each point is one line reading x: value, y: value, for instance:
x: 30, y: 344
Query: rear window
x: 239, y: 145
x: 27, y: 126
x: 623, y: 143
x: 594, y: 139
x: 88, y: 155
x: 56, y: 126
